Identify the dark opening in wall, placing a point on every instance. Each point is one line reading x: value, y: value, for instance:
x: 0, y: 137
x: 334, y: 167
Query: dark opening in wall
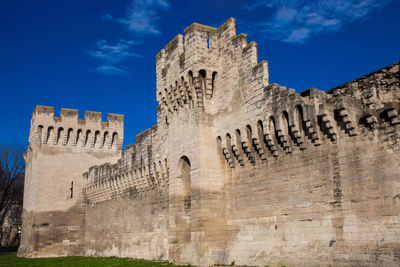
x: 105, y: 139
x: 50, y: 132
x: 202, y: 73
x: 69, y: 134
x: 39, y: 133
x: 96, y: 137
x: 114, y: 140
x: 78, y: 136
x: 185, y: 168
x: 190, y: 74
x: 59, y: 134
x: 88, y: 134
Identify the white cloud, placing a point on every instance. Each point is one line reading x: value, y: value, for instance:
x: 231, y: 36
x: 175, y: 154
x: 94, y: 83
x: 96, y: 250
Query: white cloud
x: 298, y: 35
x: 296, y: 21
x: 113, y: 54
x: 109, y: 69
x: 142, y: 16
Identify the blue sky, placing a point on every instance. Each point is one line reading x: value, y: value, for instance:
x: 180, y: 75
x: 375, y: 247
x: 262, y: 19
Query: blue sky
x: 100, y: 55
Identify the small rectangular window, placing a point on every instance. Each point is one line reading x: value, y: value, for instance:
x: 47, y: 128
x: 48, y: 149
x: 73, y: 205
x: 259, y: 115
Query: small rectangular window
x: 72, y: 189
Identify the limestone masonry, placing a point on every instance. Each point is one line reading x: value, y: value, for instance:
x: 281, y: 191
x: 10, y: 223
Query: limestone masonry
x: 236, y: 169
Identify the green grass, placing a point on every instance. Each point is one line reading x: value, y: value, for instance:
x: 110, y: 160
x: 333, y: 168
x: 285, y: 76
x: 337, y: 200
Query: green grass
x: 12, y: 260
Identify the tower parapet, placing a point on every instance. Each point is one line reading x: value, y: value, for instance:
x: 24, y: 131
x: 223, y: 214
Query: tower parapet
x: 70, y: 131
x: 189, y: 67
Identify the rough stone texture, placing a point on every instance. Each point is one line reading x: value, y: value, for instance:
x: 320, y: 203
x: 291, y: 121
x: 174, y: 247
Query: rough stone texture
x: 236, y: 169
x: 60, y: 150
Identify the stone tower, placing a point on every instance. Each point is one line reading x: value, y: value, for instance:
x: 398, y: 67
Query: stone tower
x: 60, y: 150
x: 195, y: 76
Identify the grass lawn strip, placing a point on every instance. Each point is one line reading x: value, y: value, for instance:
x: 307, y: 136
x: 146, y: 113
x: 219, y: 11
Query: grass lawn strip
x: 76, y: 261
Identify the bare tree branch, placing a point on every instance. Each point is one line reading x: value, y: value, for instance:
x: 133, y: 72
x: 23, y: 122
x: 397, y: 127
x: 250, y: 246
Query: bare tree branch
x: 12, y: 168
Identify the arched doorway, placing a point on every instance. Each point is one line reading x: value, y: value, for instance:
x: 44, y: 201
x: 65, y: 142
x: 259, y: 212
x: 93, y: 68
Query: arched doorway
x: 185, y: 204
x: 184, y: 170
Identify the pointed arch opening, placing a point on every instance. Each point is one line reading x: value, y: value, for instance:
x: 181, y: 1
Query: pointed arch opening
x: 260, y: 130
x: 50, y: 135
x: 213, y: 81
x: 60, y: 134
x: 272, y: 136
x: 202, y: 76
x: 184, y: 201
x: 87, y: 138
x: 299, y: 120
x: 78, y: 136
x: 271, y: 128
x: 237, y: 137
x: 249, y: 133
x: 39, y: 134
x: 105, y: 139
x: 114, y: 140
x: 184, y: 168
x: 219, y: 141
x: 190, y: 75
x: 96, y: 138
x: 228, y: 140
x: 285, y: 123
x: 69, y: 136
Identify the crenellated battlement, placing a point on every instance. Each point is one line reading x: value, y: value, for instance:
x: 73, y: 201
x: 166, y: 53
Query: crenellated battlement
x: 70, y: 131
x: 108, y: 181
x: 373, y: 94
x: 188, y: 68
x: 292, y: 121
x: 66, y: 115
x: 137, y: 171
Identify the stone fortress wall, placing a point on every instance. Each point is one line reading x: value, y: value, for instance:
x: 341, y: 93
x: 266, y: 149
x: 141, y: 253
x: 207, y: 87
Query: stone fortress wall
x: 238, y: 169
